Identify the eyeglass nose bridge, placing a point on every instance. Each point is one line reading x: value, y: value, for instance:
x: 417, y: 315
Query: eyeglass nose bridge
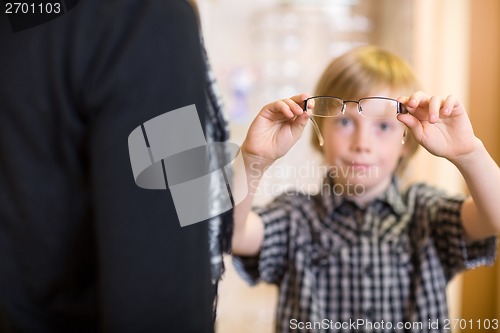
x: 360, y: 109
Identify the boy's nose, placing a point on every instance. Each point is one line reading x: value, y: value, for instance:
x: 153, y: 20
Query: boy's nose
x: 361, y: 140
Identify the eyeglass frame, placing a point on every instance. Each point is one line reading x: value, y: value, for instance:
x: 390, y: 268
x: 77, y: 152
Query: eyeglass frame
x: 400, y: 109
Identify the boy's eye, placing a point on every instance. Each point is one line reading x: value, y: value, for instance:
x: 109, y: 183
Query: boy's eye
x: 384, y: 126
x: 343, y: 121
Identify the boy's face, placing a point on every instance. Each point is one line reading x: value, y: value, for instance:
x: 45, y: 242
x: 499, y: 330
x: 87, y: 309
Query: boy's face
x: 363, y: 152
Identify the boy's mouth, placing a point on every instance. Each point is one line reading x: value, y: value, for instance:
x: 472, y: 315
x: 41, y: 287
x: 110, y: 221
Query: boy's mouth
x: 356, y: 164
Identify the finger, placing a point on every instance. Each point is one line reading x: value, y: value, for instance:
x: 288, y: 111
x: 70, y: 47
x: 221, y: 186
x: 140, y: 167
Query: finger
x: 294, y: 105
x: 417, y: 99
x: 434, y: 108
x: 299, y: 99
x: 280, y: 107
x: 298, y: 125
x: 302, y: 100
x: 449, y: 105
x: 403, y: 99
x: 413, y: 124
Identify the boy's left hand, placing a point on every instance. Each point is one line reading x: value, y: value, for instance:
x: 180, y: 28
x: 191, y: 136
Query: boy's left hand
x: 441, y: 126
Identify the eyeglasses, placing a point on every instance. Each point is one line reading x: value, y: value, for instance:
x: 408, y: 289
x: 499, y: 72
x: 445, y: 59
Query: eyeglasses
x: 368, y: 107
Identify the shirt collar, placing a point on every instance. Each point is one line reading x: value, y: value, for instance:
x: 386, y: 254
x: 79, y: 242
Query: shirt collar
x: 392, y: 196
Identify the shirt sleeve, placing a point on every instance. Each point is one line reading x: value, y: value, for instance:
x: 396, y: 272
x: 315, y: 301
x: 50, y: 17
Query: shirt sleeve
x: 455, y: 252
x: 269, y: 265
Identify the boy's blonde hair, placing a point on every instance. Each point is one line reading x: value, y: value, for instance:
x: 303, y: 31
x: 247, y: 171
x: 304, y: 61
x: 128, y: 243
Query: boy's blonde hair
x: 362, y: 71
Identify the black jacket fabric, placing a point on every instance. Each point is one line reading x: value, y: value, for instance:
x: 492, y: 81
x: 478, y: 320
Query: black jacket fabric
x: 82, y: 248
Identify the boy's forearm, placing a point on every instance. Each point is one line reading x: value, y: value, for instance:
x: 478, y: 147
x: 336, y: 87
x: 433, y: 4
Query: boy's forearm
x: 247, y: 174
x: 481, y: 215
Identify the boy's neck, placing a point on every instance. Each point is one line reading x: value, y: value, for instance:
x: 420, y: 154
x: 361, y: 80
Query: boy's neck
x: 370, y: 194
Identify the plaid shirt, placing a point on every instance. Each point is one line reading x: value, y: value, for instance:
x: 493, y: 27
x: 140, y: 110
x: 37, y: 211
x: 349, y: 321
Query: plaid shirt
x: 388, y: 264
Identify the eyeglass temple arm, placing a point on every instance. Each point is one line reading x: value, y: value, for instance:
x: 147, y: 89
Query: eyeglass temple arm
x: 315, y: 126
x: 318, y: 133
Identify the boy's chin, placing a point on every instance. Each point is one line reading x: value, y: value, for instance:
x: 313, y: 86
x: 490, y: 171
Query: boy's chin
x: 361, y: 182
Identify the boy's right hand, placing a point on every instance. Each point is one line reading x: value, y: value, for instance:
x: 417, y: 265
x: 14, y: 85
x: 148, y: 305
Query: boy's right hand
x: 275, y: 129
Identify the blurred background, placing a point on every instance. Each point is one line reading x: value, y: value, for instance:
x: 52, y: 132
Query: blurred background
x: 264, y: 50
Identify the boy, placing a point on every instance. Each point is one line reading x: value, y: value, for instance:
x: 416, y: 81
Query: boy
x: 376, y: 259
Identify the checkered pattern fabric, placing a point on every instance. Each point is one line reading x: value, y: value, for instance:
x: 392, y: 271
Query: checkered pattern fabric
x: 217, y: 130
x: 389, y: 261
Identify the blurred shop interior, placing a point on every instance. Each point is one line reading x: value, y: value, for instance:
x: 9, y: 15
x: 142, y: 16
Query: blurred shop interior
x: 264, y: 50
